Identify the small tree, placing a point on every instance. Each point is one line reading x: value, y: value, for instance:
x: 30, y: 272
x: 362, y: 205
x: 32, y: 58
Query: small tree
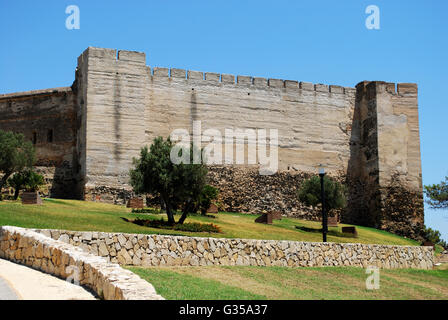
x: 177, y: 184
x: 431, y: 235
x: 34, y: 181
x: 15, y: 155
x: 26, y: 179
x: 310, y: 193
x: 190, y: 179
x: 17, y: 181
x: 208, y: 194
x: 437, y: 195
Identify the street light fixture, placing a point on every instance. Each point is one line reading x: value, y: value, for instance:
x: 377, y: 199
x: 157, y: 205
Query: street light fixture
x: 322, y: 196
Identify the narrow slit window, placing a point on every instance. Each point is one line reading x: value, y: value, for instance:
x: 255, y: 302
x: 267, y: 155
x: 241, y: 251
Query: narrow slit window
x: 50, y: 135
x: 34, y: 137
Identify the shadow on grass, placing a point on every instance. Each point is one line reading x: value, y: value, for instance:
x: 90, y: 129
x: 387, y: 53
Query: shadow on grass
x: 61, y: 202
x: 335, y: 233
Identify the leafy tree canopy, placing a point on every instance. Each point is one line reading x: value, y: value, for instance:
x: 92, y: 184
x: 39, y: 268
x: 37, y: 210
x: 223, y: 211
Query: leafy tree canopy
x: 15, y: 154
x: 432, y: 235
x: 208, y: 194
x: 179, y: 185
x: 437, y: 195
x: 26, y: 179
x: 310, y: 193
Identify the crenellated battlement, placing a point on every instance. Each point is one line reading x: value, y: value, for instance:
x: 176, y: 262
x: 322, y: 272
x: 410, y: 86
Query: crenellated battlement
x: 139, y: 58
x: 244, y: 81
x: 397, y: 89
x: 113, y: 55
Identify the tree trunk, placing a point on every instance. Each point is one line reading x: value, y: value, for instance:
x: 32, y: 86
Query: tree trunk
x: 16, y: 193
x: 189, y: 207
x: 3, y: 182
x: 184, y: 214
x: 169, y: 212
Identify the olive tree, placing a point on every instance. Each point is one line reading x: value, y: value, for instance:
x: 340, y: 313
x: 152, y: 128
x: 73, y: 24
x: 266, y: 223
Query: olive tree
x: 179, y: 185
x: 15, y: 154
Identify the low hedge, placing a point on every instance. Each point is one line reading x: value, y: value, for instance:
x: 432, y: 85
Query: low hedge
x: 189, y: 226
x: 147, y: 210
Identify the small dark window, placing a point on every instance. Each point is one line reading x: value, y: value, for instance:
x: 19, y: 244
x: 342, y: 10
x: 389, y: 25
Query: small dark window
x: 50, y: 135
x: 34, y: 137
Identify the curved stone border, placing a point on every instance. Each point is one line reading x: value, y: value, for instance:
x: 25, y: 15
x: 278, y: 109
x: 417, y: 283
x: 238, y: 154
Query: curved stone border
x: 158, y: 250
x: 63, y: 260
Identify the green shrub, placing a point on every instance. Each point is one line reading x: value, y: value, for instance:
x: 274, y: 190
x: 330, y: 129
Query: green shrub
x: 191, y: 226
x: 310, y: 193
x: 431, y: 235
x: 34, y: 181
x: 26, y: 179
x: 17, y: 181
x: 208, y: 194
x: 147, y: 210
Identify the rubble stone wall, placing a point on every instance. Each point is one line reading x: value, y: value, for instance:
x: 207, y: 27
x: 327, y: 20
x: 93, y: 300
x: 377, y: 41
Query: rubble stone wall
x: 158, y: 250
x: 108, y: 280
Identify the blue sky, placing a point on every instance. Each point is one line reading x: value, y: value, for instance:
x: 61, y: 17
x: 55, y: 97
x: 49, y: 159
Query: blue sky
x: 316, y: 41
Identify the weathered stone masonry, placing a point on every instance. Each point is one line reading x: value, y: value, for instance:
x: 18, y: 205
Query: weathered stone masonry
x: 108, y: 280
x: 94, y: 258
x: 367, y: 136
x: 48, y: 118
x: 158, y: 250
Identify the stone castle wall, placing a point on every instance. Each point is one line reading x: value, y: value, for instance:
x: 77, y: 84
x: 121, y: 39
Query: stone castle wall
x: 366, y: 136
x: 384, y: 173
x: 313, y: 121
x: 158, y: 250
x: 128, y: 105
x: 48, y: 118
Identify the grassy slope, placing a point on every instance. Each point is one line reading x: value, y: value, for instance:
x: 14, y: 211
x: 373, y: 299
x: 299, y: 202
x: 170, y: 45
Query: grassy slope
x: 92, y: 216
x: 213, y: 282
x: 239, y: 282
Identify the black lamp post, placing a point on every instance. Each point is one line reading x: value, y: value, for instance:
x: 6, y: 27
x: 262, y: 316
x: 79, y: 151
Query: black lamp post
x: 322, y: 196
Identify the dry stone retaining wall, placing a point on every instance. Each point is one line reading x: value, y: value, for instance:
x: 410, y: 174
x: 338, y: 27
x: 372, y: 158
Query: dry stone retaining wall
x: 158, y: 250
x: 40, y: 252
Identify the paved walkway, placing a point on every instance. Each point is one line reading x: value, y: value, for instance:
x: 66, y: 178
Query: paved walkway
x: 20, y: 282
x: 7, y: 292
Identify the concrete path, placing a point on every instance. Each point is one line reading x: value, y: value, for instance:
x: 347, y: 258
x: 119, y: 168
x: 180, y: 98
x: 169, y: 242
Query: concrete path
x: 21, y: 282
x: 7, y: 292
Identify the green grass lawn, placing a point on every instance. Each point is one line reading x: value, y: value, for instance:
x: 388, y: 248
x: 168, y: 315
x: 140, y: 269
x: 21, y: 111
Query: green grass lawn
x: 221, y: 283
x: 94, y: 216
